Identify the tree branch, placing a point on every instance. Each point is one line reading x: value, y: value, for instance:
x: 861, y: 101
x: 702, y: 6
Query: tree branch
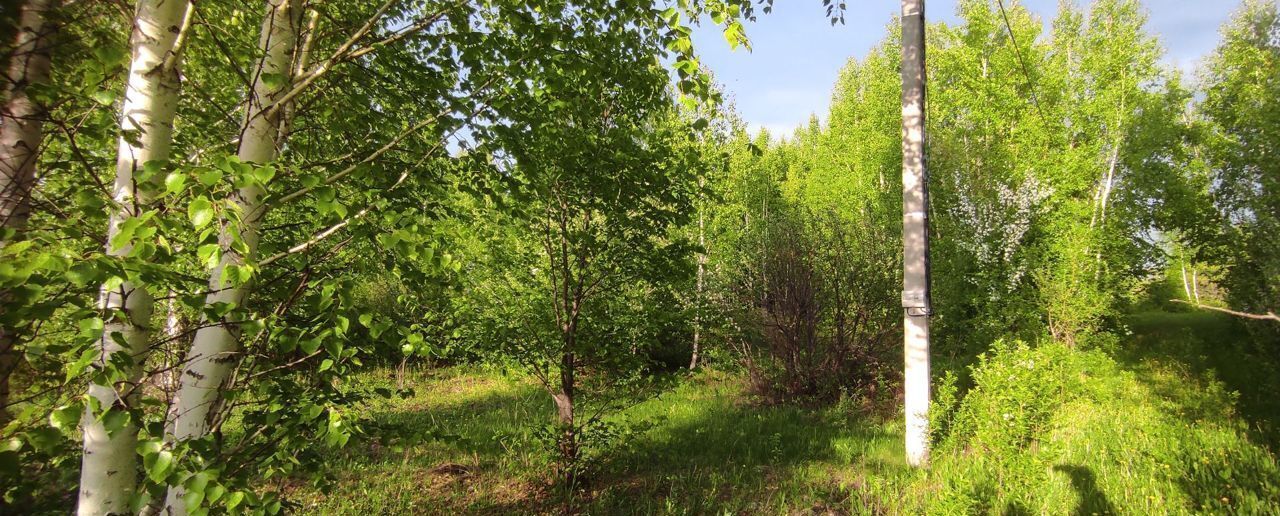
x: 1269, y: 316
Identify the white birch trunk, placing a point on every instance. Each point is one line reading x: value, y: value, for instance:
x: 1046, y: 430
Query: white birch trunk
x: 215, y: 347
x: 1108, y: 183
x: 915, y: 236
x: 108, y: 475
x: 1103, y: 193
x: 20, y: 136
x: 702, y: 265
x: 22, y: 117
x: 167, y: 381
x: 1186, y: 287
x: 1195, y: 284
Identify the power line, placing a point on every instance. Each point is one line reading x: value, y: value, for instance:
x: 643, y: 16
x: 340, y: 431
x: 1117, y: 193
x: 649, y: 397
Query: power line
x: 1017, y: 50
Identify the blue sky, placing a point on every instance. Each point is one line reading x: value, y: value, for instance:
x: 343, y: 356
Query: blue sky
x: 797, y: 54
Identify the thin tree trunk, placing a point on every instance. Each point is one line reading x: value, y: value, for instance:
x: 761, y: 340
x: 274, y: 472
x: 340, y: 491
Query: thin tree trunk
x: 915, y: 235
x: 20, y: 136
x: 1099, y: 218
x: 167, y: 380
x: 564, y: 413
x: 215, y: 347
x: 698, y: 303
x: 108, y: 475
x: 1195, y: 284
x: 1108, y: 183
x: 1186, y: 287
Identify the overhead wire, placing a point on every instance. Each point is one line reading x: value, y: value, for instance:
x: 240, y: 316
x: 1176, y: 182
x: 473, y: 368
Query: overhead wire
x: 1026, y: 74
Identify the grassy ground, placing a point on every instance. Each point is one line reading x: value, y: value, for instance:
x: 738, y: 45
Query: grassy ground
x: 1158, y: 429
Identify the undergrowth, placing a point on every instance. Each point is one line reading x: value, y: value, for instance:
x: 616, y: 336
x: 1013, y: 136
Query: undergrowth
x: 1043, y: 429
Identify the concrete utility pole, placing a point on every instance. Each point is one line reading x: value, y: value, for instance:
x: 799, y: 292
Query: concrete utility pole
x: 915, y: 236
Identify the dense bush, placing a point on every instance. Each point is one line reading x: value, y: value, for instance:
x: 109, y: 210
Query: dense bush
x: 824, y: 325
x: 1048, y: 428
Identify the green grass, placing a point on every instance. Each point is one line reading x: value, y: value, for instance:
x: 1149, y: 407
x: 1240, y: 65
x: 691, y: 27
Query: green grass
x: 701, y: 447
x: 1192, y: 353
x: 1178, y: 420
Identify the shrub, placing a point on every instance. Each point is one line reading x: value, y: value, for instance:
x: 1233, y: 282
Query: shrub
x: 824, y: 310
x: 1049, y: 429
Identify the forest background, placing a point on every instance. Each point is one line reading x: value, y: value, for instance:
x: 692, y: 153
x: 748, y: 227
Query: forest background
x: 343, y: 256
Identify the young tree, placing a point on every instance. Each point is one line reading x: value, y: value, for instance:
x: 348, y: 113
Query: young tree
x: 611, y: 175
x: 1241, y: 106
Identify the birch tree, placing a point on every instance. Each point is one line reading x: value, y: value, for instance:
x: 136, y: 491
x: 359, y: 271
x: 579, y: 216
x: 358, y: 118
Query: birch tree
x: 215, y: 346
x: 1242, y: 109
x: 107, y: 482
x: 21, y: 134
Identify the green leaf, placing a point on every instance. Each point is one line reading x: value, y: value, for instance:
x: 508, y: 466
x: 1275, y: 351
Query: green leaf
x: 43, y: 438
x: 192, y: 500
x: 209, y: 176
x: 234, y: 274
x: 174, y: 182
x: 91, y: 327
x: 158, y: 465
x: 151, y: 169
x: 309, y: 346
x: 379, y: 328
x: 735, y: 35
x: 198, y: 482
x: 273, y: 80
x: 115, y: 420
x: 234, y: 499
x: 150, y: 447
x: 200, y: 211
x: 671, y: 15
x: 214, y: 493
x: 209, y: 255
x: 76, y: 368
x: 66, y: 417
x: 264, y: 174
x: 103, y: 97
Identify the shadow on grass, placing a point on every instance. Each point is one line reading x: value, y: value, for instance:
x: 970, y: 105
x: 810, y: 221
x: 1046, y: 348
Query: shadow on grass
x: 461, y: 445
x: 481, y: 425
x: 471, y: 445
x: 719, y: 456
x: 1092, y: 500
x: 1016, y: 509
x: 1210, y: 346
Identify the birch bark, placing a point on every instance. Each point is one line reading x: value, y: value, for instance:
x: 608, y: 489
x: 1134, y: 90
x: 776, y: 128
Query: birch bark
x: 108, y: 475
x: 215, y: 347
x: 20, y: 136
x: 702, y: 265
